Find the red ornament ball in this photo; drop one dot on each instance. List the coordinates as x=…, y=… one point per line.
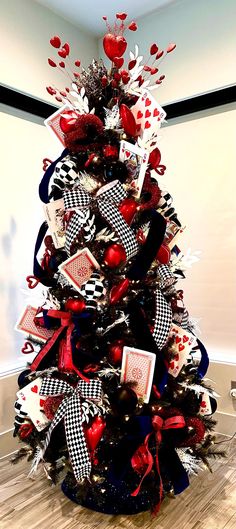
x=75, y=305
x=116, y=352
x=114, y=255
x=128, y=209
x=67, y=121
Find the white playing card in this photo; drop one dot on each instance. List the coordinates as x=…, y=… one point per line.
x=32, y=403
x=136, y=160
x=79, y=267
x=148, y=115
x=183, y=343
x=205, y=408
x=138, y=366
x=53, y=122
x=54, y=213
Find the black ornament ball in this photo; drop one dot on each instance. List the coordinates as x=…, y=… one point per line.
x=57, y=258
x=123, y=400
x=115, y=170
x=23, y=380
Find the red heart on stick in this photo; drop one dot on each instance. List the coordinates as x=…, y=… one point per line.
x=27, y=348
x=114, y=45
x=118, y=62
x=55, y=41
x=32, y=281
x=62, y=53
x=121, y=16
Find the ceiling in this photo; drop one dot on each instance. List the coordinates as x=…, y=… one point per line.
x=88, y=14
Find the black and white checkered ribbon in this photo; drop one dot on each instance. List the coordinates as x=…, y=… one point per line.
x=163, y=320
x=70, y=411
x=107, y=199
x=167, y=277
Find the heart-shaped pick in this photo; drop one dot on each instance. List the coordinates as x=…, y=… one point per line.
x=121, y=16
x=55, y=41
x=118, y=291
x=118, y=62
x=94, y=432
x=66, y=47
x=62, y=53
x=114, y=45
x=32, y=281
x=27, y=348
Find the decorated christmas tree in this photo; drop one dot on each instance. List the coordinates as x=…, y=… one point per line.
x=114, y=404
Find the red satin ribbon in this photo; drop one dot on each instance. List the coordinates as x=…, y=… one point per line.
x=143, y=451
x=65, y=360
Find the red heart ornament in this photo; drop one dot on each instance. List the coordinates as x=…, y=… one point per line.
x=62, y=64
x=66, y=47
x=93, y=433
x=128, y=208
x=154, y=158
x=118, y=291
x=181, y=347
x=114, y=45
x=133, y=26
x=147, y=102
x=127, y=120
x=32, y=281
x=121, y=16
x=55, y=41
x=153, y=49
x=147, y=125
x=62, y=53
x=27, y=348
x=147, y=113
x=34, y=389
x=118, y=62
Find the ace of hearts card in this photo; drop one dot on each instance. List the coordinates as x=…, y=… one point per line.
x=138, y=366
x=53, y=123
x=148, y=115
x=136, y=161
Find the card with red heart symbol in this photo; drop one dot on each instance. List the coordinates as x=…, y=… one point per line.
x=32, y=403
x=26, y=324
x=138, y=366
x=136, y=160
x=205, y=407
x=79, y=267
x=148, y=115
x=53, y=123
x=183, y=343
x=54, y=213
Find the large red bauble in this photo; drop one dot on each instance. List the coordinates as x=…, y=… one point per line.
x=114, y=45
x=118, y=291
x=75, y=305
x=114, y=255
x=128, y=209
x=93, y=433
x=116, y=352
x=67, y=121
x=127, y=120
x=163, y=254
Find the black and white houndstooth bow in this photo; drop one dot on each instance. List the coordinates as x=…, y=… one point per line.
x=107, y=199
x=163, y=320
x=70, y=411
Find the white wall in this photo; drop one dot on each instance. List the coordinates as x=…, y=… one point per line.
x=204, y=59
x=26, y=28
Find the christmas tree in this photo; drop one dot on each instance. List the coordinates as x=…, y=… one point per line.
x=114, y=396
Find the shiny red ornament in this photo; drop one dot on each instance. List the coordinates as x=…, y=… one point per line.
x=116, y=352
x=75, y=305
x=153, y=49
x=114, y=45
x=67, y=121
x=114, y=255
x=118, y=291
x=128, y=209
x=163, y=254
x=66, y=47
x=55, y=41
x=121, y=16
x=77, y=63
x=93, y=433
x=127, y=120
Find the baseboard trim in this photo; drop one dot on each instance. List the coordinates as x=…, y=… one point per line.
x=8, y=443
x=226, y=423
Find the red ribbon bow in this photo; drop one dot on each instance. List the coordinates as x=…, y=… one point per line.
x=65, y=362
x=142, y=460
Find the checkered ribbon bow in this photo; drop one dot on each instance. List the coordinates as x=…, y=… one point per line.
x=70, y=411
x=107, y=199
x=163, y=320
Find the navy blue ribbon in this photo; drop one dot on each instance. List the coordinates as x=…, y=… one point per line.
x=204, y=362
x=43, y=186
